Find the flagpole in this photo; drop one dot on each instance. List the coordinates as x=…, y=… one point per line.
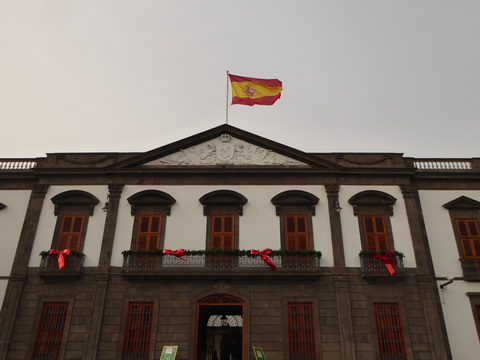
x=226, y=115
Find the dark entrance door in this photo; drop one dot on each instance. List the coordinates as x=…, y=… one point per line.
x=219, y=328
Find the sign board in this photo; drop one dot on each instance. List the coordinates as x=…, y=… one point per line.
x=259, y=354
x=169, y=352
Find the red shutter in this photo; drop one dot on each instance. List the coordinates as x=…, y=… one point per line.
x=138, y=331
x=390, y=337
x=469, y=237
x=50, y=331
x=375, y=233
x=148, y=234
x=71, y=232
x=301, y=335
x=296, y=232
x=223, y=232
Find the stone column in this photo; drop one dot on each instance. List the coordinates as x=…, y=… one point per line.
x=18, y=275
x=340, y=277
x=101, y=276
x=426, y=275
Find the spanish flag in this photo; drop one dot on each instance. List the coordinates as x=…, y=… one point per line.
x=251, y=91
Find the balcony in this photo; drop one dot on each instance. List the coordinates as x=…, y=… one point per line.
x=221, y=264
x=471, y=268
x=72, y=269
x=378, y=265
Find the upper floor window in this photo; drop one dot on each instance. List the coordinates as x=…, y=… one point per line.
x=150, y=208
x=374, y=209
x=223, y=209
x=73, y=209
x=295, y=209
x=465, y=216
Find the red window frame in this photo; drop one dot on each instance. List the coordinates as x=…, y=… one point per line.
x=138, y=331
x=148, y=232
x=301, y=333
x=50, y=331
x=390, y=335
x=222, y=235
x=375, y=233
x=296, y=232
x=70, y=234
x=469, y=235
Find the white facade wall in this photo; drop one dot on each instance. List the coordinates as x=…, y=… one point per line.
x=11, y=222
x=259, y=226
x=456, y=305
x=351, y=232
x=46, y=226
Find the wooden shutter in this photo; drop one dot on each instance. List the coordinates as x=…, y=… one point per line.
x=301, y=335
x=223, y=232
x=469, y=237
x=71, y=232
x=390, y=337
x=375, y=233
x=138, y=331
x=50, y=331
x=148, y=233
x=296, y=232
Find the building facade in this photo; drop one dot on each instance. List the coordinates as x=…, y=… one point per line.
x=226, y=240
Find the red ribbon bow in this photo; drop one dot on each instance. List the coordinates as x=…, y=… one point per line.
x=178, y=253
x=387, y=259
x=60, y=254
x=264, y=257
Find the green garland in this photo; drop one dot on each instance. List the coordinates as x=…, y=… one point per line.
x=236, y=252
x=382, y=252
x=72, y=252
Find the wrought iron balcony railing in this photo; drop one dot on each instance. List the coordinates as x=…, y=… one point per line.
x=73, y=265
x=374, y=267
x=207, y=264
x=471, y=268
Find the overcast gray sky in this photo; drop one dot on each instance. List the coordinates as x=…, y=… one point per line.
x=132, y=75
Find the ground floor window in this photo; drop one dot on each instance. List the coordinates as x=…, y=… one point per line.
x=390, y=337
x=301, y=335
x=138, y=331
x=50, y=331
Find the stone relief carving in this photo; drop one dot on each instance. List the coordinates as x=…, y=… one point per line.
x=225, y=150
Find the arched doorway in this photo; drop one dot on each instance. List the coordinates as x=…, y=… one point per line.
x=219, y=328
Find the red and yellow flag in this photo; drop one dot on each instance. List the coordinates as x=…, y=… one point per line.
x=251, y=91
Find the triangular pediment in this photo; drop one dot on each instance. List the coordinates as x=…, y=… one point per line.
x=225, y=145
x=463, y=202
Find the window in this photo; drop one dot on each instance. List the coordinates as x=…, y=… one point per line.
x=138, y=331
x=223, y=232
x=223, y=209
x=73, y=209
x=301, y=335
x=390, y=337
x=375, y=233
x=469, y=237
x=295, y=209
x=374, y=209
x=296, y=232
x=465, y=216
x=150, y=208
x=50, y=331
x=71, y=232
x=475, y=303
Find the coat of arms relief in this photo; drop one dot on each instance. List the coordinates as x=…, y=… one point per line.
x=225, y=150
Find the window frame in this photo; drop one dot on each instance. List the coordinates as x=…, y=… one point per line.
x=474, y=298
x=296, y=203
x=373, y=203
x=150, y=203
x=223, y=203
x=401, y=330
x=312, y=353
x=72, y=203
